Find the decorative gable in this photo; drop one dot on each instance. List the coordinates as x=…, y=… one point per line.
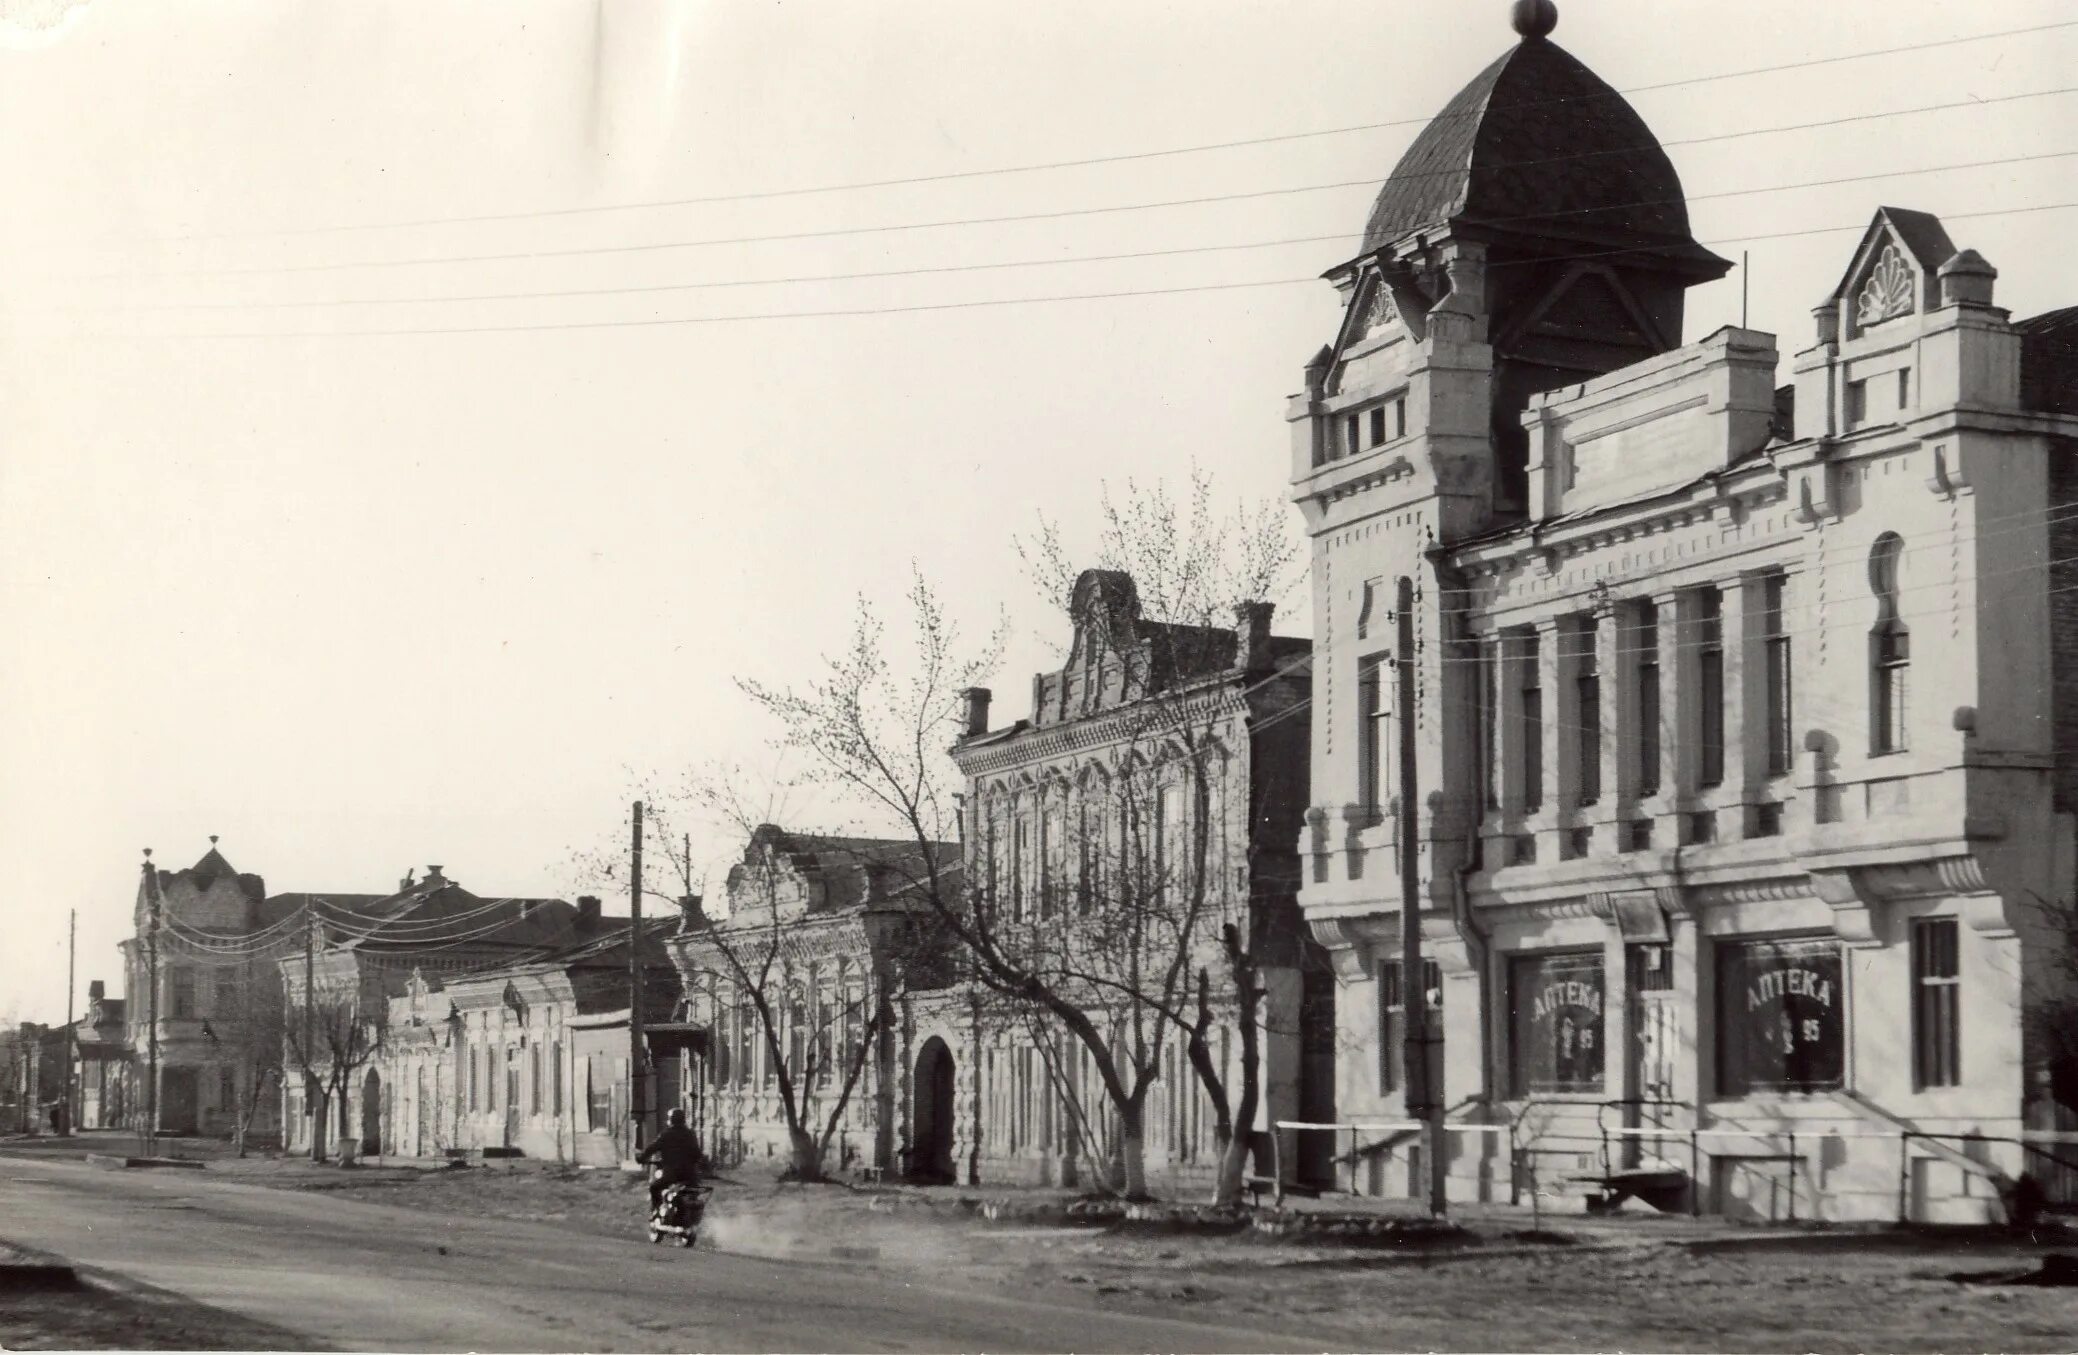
x=1894, y=272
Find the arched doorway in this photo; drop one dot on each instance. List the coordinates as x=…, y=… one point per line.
x=931, y=1117
x=371, y=1114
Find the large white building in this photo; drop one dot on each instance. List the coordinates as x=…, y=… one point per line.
x=1745, y=713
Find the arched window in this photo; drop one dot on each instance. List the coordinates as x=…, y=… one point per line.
x=1890, y=651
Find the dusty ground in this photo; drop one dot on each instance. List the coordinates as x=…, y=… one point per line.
x=99, y=1316
x=1648, y=1283
x=1632, y=1283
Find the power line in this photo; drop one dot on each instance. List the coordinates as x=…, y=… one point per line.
x=651, y=288
x=660, y=321
x=1122, y=158
x=1053, y=215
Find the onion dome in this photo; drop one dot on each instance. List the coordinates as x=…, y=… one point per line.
x=1539, y=148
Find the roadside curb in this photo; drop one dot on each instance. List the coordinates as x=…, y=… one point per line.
x=22, y=1268
x=108, y=1162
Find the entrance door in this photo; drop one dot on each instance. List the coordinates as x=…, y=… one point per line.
x=179, y=1097
x=512, y=1094
x=1655, y=1039
x=371, y=1114
x=931, y=1118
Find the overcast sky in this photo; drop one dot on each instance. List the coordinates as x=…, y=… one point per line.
x=360, y=602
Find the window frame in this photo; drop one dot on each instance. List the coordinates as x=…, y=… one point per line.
x=1936, y=951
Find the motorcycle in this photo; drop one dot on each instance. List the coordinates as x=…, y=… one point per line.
x=678, y=1213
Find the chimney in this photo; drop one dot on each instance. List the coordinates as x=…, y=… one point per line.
x=587, y=912
x=404, y=885
x=691, y=917
x=434, y=877
x=977, y=710
x=877, y=873
x=1252, y=634
x=1966, y=280
x=96, y=991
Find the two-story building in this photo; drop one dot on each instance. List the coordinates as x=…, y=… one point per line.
x=832, y=933
x=1152, y=796
x=1745, y=717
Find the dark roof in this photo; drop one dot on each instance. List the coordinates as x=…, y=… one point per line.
x=1537, y=144
x=1922, y=233
x=208, y=870
x=2049, y=361
x=842, y=861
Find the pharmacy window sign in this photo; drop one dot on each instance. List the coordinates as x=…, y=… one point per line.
x=1556, y=1004
x=1781, y=1016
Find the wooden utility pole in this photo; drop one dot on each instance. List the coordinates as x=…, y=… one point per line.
x=638, y=1085
x=1422, y=1102
x=71, y=1029
x=312, y=1109
x=150, y=1134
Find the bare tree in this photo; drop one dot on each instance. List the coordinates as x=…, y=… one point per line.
x=329, y=1043
x=818, y=1035
x=1115, y=960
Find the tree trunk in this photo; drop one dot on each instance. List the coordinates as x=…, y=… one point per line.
x=1132, y=1133
x=1248, y=992
x=808, y=1155
x=320, y=1112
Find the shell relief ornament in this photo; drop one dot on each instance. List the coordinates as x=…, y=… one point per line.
x=1887, y=292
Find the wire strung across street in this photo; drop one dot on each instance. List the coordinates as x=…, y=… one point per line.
x=941, y=269
x=576, y=251
x=1121, y=158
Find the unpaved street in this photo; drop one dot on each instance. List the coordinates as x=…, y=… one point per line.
x=374, y=1277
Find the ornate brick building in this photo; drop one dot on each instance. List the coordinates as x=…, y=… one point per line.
x=1745, y=717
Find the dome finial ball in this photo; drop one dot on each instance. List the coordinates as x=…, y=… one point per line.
x=1534, y=18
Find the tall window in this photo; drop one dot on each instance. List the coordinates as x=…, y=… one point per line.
x=1377, y=425
x=1531, y=707
x=1890, y=651
x=1775, y=647
x=182, y=981
x=1392, y=1018
x=1936, y=1018
x=1052, y=856
x=1483, y=696
x=1587, y=709
x=1374, y=733
x=1400, y=417
x=1020, y=859
x=1646, y=671
x=1710, y=676
x=1369, y=613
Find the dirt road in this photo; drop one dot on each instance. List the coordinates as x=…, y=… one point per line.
x=330, y=1272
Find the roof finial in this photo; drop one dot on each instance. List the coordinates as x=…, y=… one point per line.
x=1534, y=18
x=212, y=839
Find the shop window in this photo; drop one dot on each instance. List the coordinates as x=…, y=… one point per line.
x=1555, y=1022
x=1936, y=1015
x=1781, y=1016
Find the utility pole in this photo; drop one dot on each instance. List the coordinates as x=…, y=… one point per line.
x=312, y=1110
x=637, y=1083
x=150, y=1136
x=71, y=1028
x=1422, y=1102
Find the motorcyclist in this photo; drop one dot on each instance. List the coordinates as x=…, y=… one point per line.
x=676, y=1153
